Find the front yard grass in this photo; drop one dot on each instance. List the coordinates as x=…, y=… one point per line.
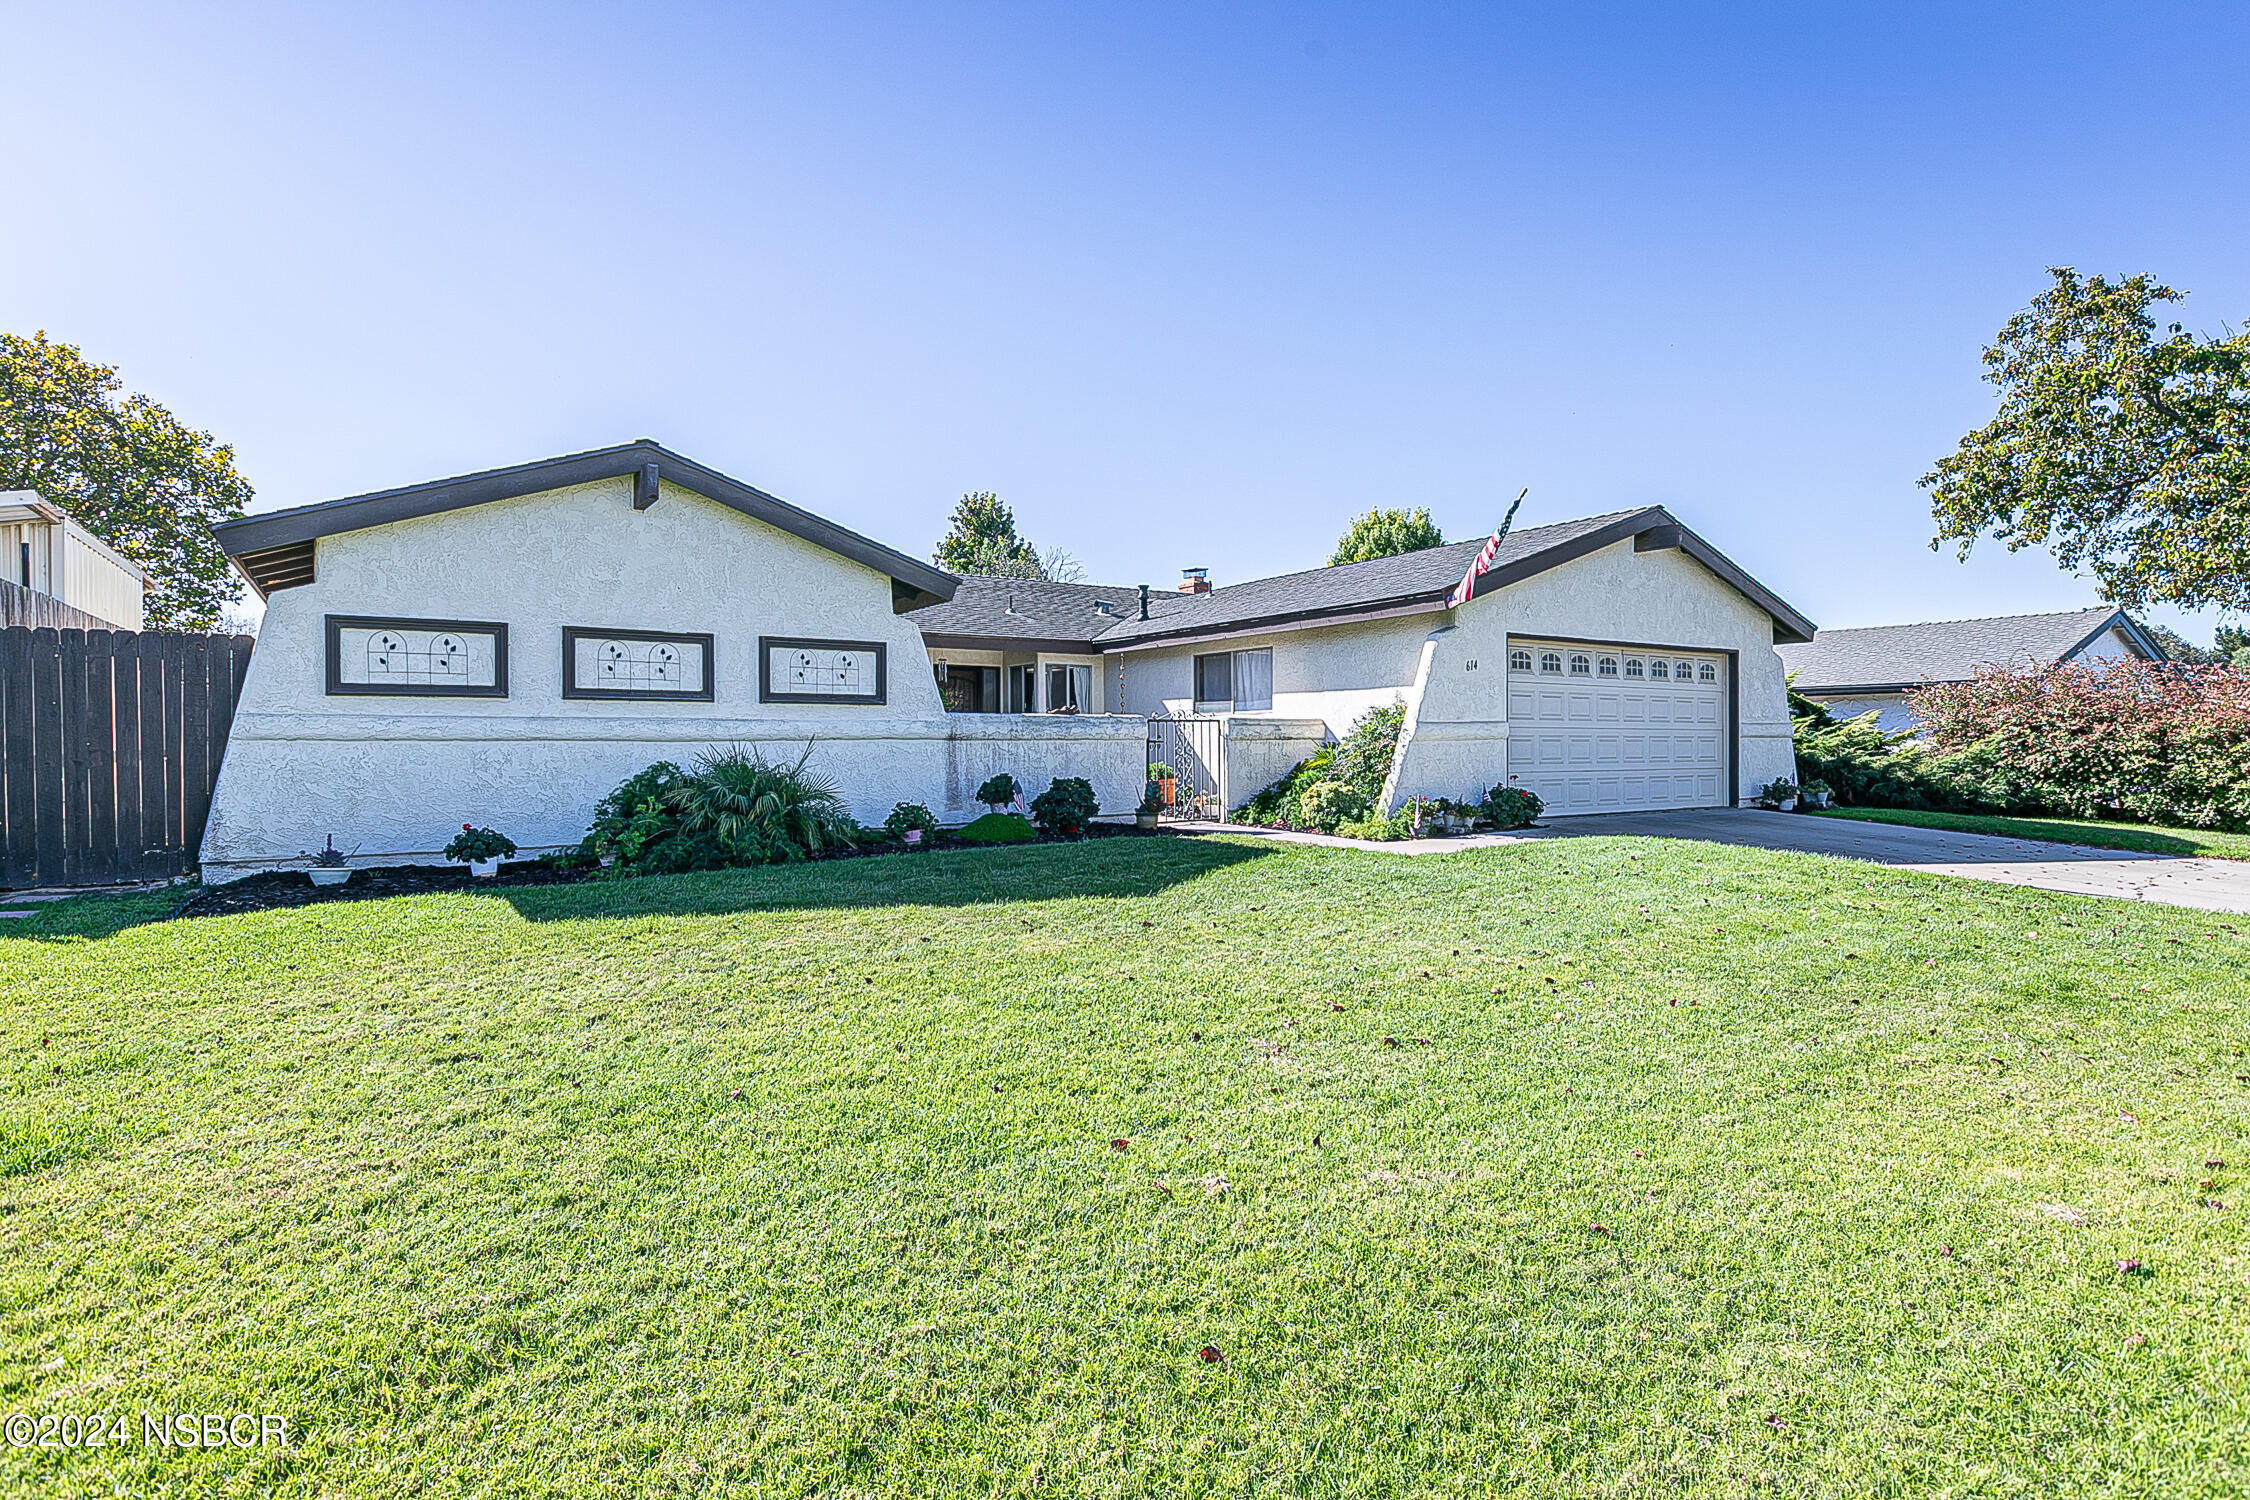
x=1587, y=1167
x=2201, y=842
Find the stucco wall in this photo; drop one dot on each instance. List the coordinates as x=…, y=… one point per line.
x=393, y=777
x=1458, y=721
x=1333, y=674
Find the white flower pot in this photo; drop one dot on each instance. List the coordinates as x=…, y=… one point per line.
x=329, y=874
x=485, y=869
x=913, y=836
x=1788, y=804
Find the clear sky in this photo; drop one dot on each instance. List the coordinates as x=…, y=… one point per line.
x=1185, y=284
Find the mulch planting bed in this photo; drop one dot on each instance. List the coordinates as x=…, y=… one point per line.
x=295, y=888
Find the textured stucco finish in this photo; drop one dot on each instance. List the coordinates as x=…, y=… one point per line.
x=393, y=777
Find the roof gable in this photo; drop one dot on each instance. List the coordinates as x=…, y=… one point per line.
x=1893, y=657
x=1423, y=579
x=274, y=550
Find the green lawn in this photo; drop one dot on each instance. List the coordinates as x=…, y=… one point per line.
x=802, y=1182
x=2191, y=841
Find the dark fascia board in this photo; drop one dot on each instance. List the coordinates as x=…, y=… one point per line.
x=1656, y=523
x=1854, y=689
x=1024, y=644
x=2119, y=620
x=356, y=512
x=1789, y=627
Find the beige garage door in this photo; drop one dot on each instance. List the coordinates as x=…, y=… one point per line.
x=1615, y=728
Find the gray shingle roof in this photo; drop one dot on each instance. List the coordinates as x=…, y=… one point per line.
x=1317, y=594
x=1027, y=610
x=1894, y=656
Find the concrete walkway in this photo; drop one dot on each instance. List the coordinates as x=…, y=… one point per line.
x=2123, y=874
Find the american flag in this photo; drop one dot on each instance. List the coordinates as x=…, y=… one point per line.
x=1485, y=555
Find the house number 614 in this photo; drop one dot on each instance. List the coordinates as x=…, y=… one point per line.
x=1472, y=666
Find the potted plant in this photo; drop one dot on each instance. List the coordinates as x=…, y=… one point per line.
x=328, y=865
x=1779, y=795
x=1167, y=783
x=998, y=792
x=910, y=821
x=1506, y=807
x=1815, y=792
x=481, y=849
x=1145, y=815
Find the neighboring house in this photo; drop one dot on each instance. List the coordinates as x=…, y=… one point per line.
x=1607, y=664
x=56, y=573
x=1855, y=672
x=505, y=647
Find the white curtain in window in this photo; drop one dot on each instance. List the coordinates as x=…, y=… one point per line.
x=1071, y=688
x=1253, y=679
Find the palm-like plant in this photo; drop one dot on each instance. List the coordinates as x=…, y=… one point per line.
x=761, y=809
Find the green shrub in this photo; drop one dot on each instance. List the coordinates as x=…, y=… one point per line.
x=1361, y=760
x=910, y=815
x=1325, y=804
x=1381, y=830
x=1508, y=806
x=1067, y=806
x=997, y=791
x=735, y=808
x=998, y=828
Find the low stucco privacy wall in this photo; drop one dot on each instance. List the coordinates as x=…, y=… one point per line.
x=394, y=777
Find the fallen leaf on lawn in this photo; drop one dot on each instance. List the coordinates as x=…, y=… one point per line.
x=1118, y=1144
x=1209, y=1354
x=734, y=1093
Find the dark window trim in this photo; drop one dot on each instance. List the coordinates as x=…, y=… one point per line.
x=334, y=625
x=573, y=634
x=767, y=644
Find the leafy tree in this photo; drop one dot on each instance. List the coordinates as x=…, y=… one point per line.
x=2124, y=450
x=1387, y=533
x=2179, y=648
x=128, y=470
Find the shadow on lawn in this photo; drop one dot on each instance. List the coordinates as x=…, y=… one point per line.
x=963, y=877
x=958, y=877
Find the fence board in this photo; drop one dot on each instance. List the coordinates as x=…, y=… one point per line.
x=125, y=663
x=99, y=735
x=110, y=744
x=19, y=852
x=154, y=836
x=46, y=752
x=70, y=655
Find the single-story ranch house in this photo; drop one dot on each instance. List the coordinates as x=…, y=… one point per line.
x=1855, y=672
x=505, y=647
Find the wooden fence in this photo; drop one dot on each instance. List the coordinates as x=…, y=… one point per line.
x=109, y=746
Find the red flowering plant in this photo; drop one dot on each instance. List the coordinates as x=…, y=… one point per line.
x=2162, y=741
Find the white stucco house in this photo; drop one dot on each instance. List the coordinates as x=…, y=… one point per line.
x=1870, y=670
x=503, y=648
x=1614, y=663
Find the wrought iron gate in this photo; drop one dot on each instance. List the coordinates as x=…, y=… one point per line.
x=1195, y=747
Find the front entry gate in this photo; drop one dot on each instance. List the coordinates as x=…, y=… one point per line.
x=1194, y=746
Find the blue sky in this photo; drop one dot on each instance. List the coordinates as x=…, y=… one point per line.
x=1185, y=284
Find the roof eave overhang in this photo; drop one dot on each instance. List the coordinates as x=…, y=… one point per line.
x=1278, y=624
x=357, y=512
x=938, y=640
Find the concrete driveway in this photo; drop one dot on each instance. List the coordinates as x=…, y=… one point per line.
x=2211, y=884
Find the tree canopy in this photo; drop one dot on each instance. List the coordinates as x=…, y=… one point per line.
x=1387, y=533
x=2124, y=449
x=126, y=469
x=982, y=542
